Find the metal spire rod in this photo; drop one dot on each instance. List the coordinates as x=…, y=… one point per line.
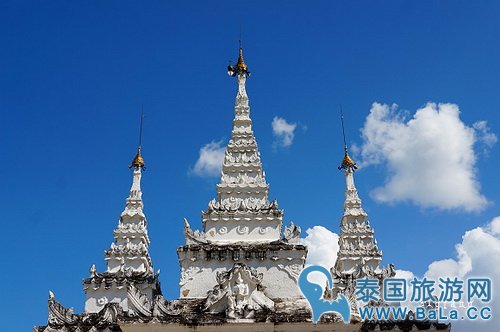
x=138, y=161
x=343, y=130
x=142, y=120
x=241, y=40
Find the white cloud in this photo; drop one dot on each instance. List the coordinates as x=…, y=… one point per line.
x=478, y=255
x=483, y=134
x=322, y=247
x=283, y=131
x=430, y=157
x=494, y=226
x=210, y=161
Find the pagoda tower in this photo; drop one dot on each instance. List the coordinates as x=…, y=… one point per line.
x=129, y=267
x=357, y=244
x=358, y=256
x=243, y=261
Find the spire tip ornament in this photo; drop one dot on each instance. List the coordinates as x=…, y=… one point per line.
x=138, y=161
x=348, y=163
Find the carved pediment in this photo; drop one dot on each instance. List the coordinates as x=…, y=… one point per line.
x=139, y=304
x=193, y=237
x=59, y=315
x=61, y=318
x=163, y=308
x=146, y=309
x=238, y=293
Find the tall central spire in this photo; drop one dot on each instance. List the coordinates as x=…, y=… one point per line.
x=242, y=232
x=242, y=211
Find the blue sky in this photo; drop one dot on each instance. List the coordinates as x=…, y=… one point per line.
x=73, y=76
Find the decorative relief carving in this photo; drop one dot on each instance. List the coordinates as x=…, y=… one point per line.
x=239, y=158
x=239, y=294
x=163, y=308
x=102, y=300
x=242, y=179
x=233, y=204
x=242, y=230
x=264, y=230
x=139, y=304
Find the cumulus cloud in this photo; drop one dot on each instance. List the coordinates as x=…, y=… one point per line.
x=322, y=245
x=210, y=161
x=430, y=157
x=283, y=131
x=477, y=256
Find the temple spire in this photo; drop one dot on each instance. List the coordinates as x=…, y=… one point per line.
x=242, y=204
x=358, y=248
x=127, y=259
x=242, y=228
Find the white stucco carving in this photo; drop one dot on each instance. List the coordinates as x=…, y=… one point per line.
x=239, y=292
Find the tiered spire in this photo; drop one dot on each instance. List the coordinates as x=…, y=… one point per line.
x=129, y=251
x=242, y=193
x=242, y=231
x=358, y=247
x=127, y=260
x=358, y=255
x=242, y=183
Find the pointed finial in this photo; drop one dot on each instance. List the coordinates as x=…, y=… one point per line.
x=347, y=162
x=138, y=161
x=240, y=67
